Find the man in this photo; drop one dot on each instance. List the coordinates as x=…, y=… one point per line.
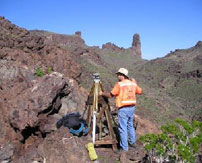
x=125, y=92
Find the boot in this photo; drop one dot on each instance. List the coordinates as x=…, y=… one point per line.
x=133, y=145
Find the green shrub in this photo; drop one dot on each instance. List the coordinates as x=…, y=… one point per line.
x=39, y=72
x=178, y=142
x=49, y=70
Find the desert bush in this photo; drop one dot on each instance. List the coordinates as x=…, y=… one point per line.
x=178, y=142
x=49, y=70
x=39, y=72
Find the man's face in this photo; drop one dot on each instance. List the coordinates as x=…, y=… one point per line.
x=119, y=76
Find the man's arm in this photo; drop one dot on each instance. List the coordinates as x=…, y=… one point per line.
x=114, y=92
x=138, y=90
x=108, y=95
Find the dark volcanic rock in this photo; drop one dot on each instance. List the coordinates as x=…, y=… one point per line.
x=59, y=147
x=135, y=49
x=13, y=37
x=33, y=110
x=198, y=44
x=30, y=106
x=43, y=97
x=19, y=48
x=67, y=40
x=136, y=45
x=111, y=46
x=60, y=39
x=6, y=151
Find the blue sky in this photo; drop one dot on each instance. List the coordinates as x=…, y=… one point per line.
x=163, y=25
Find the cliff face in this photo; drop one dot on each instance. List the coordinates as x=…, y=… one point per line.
x=60, y=39
x=134, y=50
x=111, y=46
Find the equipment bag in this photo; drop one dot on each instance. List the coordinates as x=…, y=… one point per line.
x=74, y=123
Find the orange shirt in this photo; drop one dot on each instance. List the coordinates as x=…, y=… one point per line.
x=125, y=92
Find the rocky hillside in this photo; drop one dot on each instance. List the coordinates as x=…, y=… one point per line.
x=38, y=86
x=45, y=75
x=174, y=84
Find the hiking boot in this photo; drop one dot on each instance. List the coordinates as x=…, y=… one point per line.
x=123, y=157
x=133, y=145
x=118, y=151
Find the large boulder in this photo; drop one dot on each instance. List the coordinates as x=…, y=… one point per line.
x=30, y=111
x=58, y=147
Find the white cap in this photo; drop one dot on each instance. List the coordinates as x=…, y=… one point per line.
x=123, y=71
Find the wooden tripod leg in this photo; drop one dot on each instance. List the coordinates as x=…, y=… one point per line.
x=109, y=122
x=90, y=107
x=111, y=131
x=114, y=147
x=100, y=130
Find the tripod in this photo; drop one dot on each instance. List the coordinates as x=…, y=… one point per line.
x=99, y=118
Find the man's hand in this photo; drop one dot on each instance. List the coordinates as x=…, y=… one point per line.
x=108, y=95
x=100, y=93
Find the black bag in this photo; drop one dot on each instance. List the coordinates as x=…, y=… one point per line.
x=71, y=120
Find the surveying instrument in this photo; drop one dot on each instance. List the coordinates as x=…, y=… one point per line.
x=99, y=118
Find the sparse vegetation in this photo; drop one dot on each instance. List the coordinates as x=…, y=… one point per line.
x=178, y=142
x=39, y=72
x=49, y=70
x=168, y=92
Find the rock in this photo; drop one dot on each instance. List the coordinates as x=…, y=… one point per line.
x=32, y=111
x=111, y=46
x=19, y=47
x=63, y=147
x=60, y=39
x=6, y=152
x=78, y=33
x=198, y=44
x=58, y=147
x=144, y=126
x=136, y=45
x=30, y=104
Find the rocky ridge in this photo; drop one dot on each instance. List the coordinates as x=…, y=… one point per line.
x=60, y=39
x=135, y=48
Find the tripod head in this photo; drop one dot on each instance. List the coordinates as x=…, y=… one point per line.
x=96, y=77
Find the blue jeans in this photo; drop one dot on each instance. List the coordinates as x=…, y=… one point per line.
x=126, y=129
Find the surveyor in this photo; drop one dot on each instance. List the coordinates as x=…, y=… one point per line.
x=125, y=92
